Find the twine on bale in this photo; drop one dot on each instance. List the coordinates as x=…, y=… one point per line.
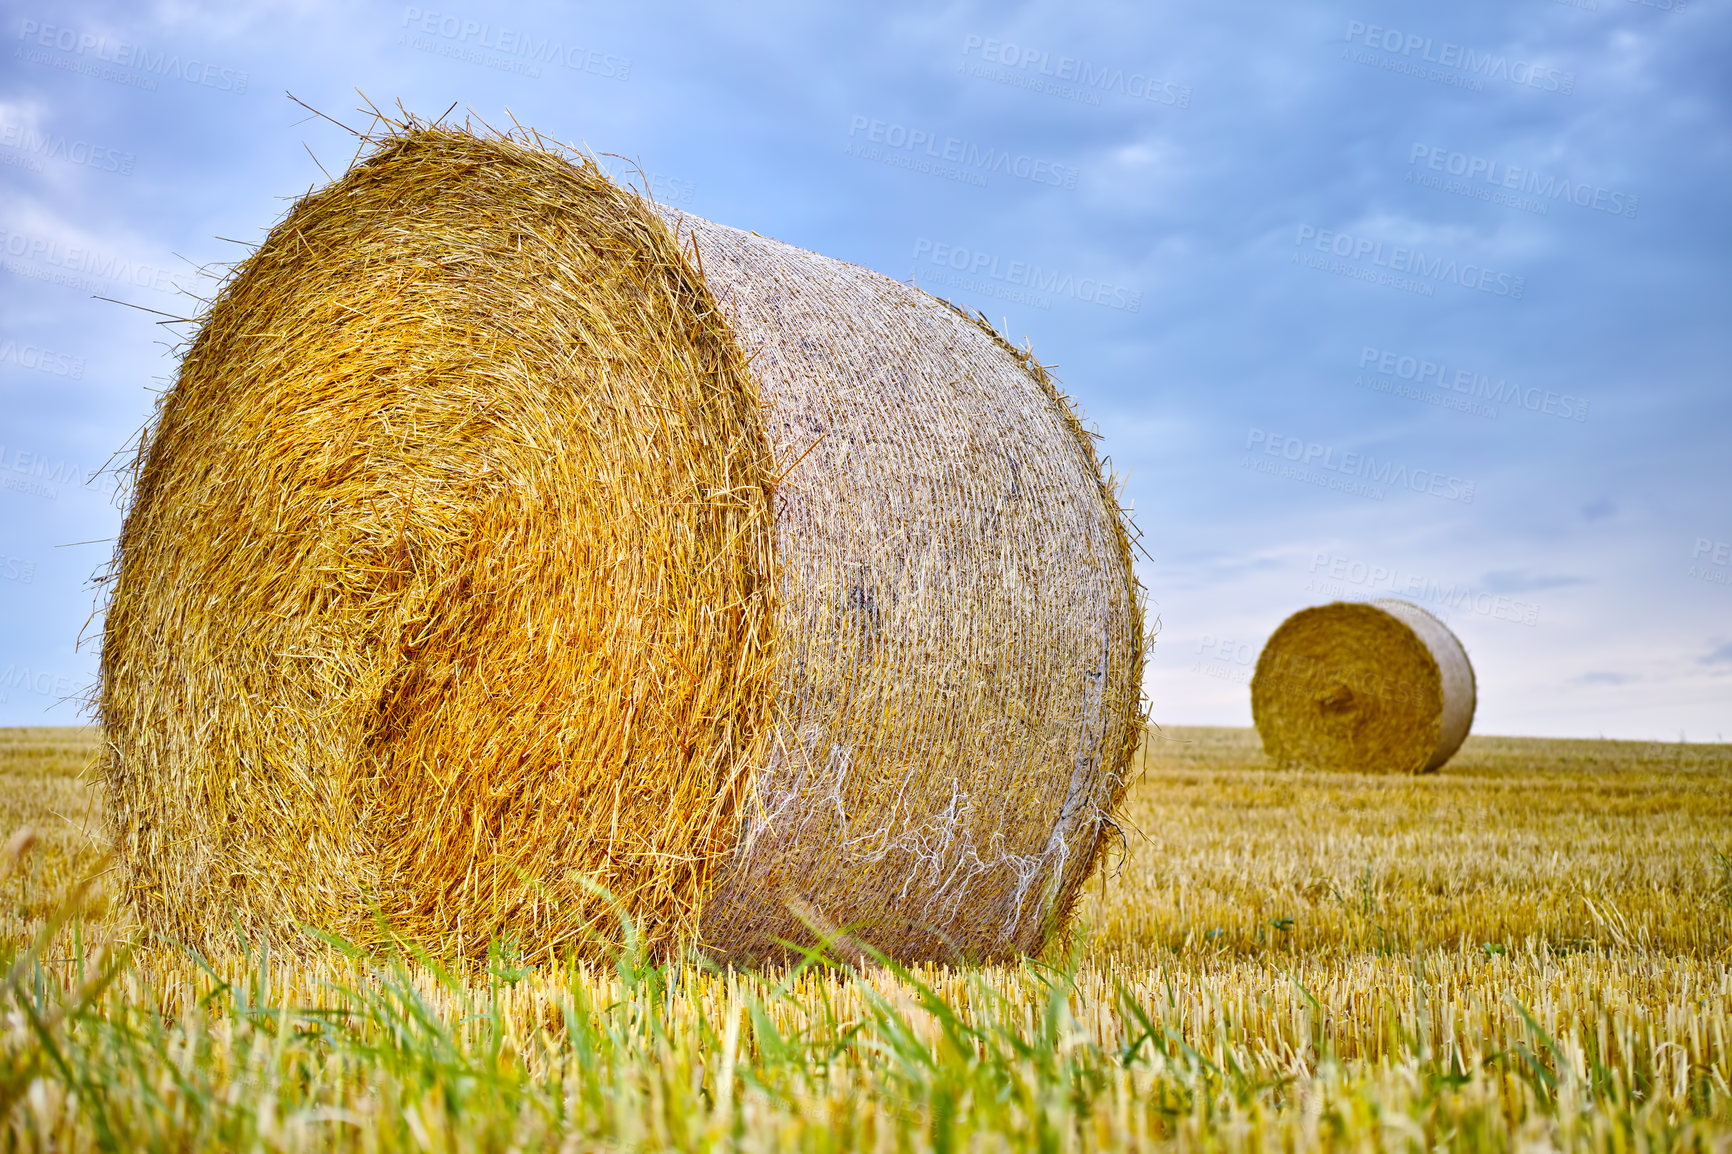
x=503, y=546
x=1379, y=687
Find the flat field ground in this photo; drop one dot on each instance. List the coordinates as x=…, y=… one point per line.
x=1530, y=949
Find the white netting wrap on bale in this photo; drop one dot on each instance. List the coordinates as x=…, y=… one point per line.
x=960, y=633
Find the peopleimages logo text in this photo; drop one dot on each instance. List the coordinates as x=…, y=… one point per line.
x=950, y=150
x=1499, y=176
x=1711, y=561
x=1412, y=262
x=38, y=681
x=1717, y=552
x=1331, y=574
x=479, y=34
x=1226, y=658
x=1359, y=469
x=49, y=146
x=1486, y=65
x=136, y=56
x=28, y=356
x=22, y=471
x=1469, y=383
x=1022, y=274
x=1084, y=76
x=79, y=264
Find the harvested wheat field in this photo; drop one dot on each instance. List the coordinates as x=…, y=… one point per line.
x=1532, y=950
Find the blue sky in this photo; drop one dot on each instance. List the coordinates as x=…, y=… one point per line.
x=1371, y=298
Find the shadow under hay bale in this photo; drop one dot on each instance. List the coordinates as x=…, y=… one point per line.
x=1363, y=687
x=502, y=545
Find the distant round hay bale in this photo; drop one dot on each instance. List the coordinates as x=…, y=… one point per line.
x=502, y=546
x=1364, y=687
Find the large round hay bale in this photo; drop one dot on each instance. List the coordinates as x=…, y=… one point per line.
x=1363, y=687
x=502, y=546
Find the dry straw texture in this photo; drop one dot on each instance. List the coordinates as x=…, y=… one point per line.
x=1383, y=687
x=473, y=576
